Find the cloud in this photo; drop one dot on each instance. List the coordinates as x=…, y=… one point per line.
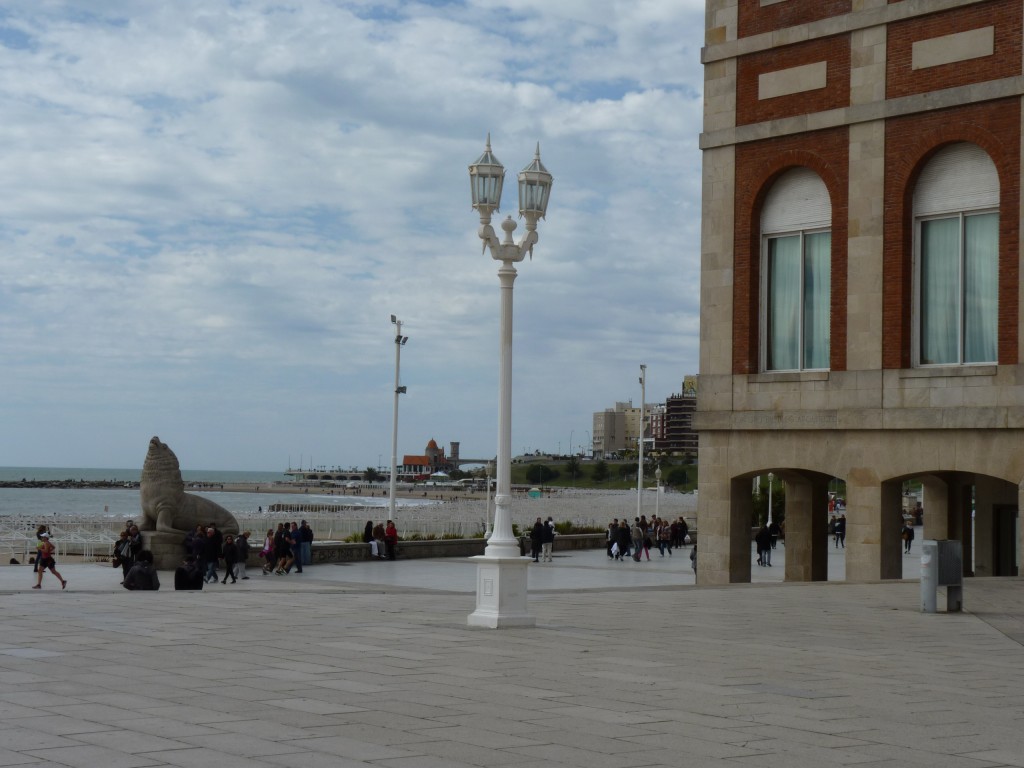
x=212, y=208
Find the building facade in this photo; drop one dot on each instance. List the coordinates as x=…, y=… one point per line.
x=679, y=438
x=615, y=429
x=860, y=277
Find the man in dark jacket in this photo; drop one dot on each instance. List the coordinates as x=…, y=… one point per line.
x=188, y=575
x=142, y=574
x=211, y=554
x=536, y=539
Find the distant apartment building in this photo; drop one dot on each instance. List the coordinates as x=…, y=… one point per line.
x=668, y=426
x=615, y=429
x=677, y=436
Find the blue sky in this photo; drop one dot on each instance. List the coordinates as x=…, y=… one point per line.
x=211, y=209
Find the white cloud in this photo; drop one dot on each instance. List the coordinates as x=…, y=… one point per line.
x=213, y=207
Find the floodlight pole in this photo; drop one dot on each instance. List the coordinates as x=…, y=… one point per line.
x=399, y=343
x=640, y=453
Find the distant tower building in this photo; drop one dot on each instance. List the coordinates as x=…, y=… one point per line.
x=453, y=455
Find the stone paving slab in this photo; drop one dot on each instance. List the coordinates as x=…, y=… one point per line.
x=375, y=665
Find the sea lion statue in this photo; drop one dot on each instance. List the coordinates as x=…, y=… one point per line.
x=166, y=508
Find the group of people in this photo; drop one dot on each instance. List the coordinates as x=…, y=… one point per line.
x=542, y=539
x=290, y=546
x=207, y=545
x=382, y=538
x=637, y=540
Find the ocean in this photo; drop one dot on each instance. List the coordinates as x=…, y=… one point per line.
x=120, y=503
x=14, y=474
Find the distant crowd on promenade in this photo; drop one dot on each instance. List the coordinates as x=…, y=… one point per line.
x=625, y=541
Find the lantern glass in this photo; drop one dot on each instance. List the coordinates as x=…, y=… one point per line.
x=534, y=188
x=486, y=177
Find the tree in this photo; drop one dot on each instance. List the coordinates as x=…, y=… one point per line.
x=572, y=467
x=540, y=473
x=677, y=477
x=601, y=471
x=759, y=512
x=371, y=475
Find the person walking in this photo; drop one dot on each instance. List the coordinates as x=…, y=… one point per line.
x=625, y=541
x=295, y=541
x=268, y=553
x=242, y=545
x=283, y=549
x=841, y=532
x=663, y=530
x=613, y=535
x=693, y=559
x=229, y=551
x=536, y=540
x=47, y=562
x=211, y=554
x=547, y=540
x=763, y=539
x=306, y=543
x=907, y=534
x=639, y=536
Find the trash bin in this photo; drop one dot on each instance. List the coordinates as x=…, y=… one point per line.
x=941, y=566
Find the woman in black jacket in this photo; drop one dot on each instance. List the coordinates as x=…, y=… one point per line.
x=230, y=555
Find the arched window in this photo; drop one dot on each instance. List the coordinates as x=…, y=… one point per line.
x=796, y=283
x=956, y=239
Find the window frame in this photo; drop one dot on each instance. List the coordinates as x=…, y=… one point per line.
x=764, y=299
x=917, y=297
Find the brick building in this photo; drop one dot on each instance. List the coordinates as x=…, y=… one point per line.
x=860, y=277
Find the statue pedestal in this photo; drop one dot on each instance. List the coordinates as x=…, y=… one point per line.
x=167, y=548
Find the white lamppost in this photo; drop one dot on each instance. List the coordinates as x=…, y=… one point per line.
x=501, y=573
x=770, y=478
x=488, y=471
x=399, y=390
x=657, y=493
x=640, y=453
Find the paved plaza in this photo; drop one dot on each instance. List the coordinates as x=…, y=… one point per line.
x=373, y=664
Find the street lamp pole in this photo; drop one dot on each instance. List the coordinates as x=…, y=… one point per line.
x=640, y=467
x=501, y=578
x=657, y=493
x=488, y=471
x=399, y=390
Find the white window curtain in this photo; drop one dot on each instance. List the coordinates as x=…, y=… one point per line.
x=981, y=284
x=957, y=297
x=817, y=299
x=784, y=303
x=797, y=273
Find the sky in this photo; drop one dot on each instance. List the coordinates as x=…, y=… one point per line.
x=211, y=209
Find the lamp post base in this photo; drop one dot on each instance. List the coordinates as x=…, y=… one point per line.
x=501, y=593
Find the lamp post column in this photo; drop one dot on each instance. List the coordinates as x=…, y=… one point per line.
x=399, y=343
x=640, y=454
x=502, y=540
x=501, y=571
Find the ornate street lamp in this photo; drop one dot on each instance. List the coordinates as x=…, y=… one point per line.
x=501, y=572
